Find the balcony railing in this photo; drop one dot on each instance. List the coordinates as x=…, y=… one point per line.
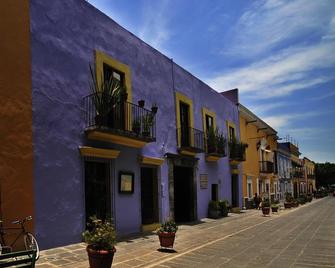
x=266, y=167
x=297, y=172
x=103, y=112
x=216, y=146
x=237, y=151
x=191, y=139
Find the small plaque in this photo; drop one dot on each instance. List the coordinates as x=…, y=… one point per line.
x=203, y=181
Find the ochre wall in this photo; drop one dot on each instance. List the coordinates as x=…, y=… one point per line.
x=251, y=165
x=16, y=157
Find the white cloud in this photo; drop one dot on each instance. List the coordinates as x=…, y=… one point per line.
x=283, y=73
x=268, y=23
x=282, y=122
x=154, y=28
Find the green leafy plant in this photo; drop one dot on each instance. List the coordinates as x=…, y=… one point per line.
x=136, y=125
x=275, y=205
x=147, y=122
x=288, y=197
x=106, y=93
x=213, y=205
x=100, y=234
x=168, y=226
x=266, y=203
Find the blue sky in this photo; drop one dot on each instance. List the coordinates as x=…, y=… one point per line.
x=280, y=54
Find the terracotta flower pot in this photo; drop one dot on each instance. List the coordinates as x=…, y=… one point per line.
x=274, y=209
x=166, y=239
x=100, y=258
x=266, y=210
x=287, y=205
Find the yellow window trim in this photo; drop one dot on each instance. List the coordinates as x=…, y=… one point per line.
x=182, y=98
x=230, y=124
x=98, y=152
x=101, y=58
x=205, y=112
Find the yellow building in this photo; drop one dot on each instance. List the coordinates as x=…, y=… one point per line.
x=259, y=169
x=309, y=172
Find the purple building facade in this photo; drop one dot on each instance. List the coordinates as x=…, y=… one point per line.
x=138, y=181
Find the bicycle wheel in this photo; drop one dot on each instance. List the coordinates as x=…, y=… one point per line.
x=30, y=243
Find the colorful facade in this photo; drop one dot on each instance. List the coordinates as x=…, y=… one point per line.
x=309, y=173
x=259, y=169
x=284, y=170
x=73, y=162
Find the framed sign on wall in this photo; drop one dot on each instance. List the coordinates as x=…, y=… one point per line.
x=126, y=182
x=203, y=181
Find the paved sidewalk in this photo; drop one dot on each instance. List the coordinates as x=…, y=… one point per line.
x=143, y=251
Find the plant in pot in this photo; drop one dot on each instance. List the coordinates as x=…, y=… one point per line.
x=136, y=126
x=147, y=122
x=274, y=207
x=214, y=209
x=211, y=141
x=141, y=103
x=266, y=206
x=223, y=208
x=105, y=95
x=167, y=233
x=154, y=108
x=221, y=143
x=100, y=237
x=288, y=200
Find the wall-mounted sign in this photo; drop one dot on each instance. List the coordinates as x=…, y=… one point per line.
x=203, y=181
x=126, y=182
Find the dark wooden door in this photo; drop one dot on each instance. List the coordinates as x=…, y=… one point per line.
x=149, y=195
x=183, y=194
x=97, y=190
x=234, y=190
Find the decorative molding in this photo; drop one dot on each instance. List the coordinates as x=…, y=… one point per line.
x=98, y=152
x=145, y=160
x=109, y=137
x=212, y=158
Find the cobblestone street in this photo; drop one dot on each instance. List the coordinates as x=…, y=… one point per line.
x=300, y=237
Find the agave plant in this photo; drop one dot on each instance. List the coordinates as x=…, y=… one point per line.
x=106, y=93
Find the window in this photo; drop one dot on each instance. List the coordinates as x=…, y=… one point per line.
x=231, y=133
x=107, y=66
x=209, y=122
x=249, y=187
x=111, y=72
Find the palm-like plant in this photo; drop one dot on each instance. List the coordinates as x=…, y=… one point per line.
x=106, y=93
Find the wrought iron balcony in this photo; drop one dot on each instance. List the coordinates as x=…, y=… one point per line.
x=191, y=139
x=266, y=167
x=311, y=176
x=237, y=151
x=104, y=114
x=297, y=172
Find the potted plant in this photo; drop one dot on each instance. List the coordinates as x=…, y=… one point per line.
x=154, y=108
x=167, y=233
x=274, y=207
x=223, y=208
x=266, y=207
x=105, y=95
x=211, y=141
x=136, y=126
x=147, y=122
x=221, y=143
x=213, y=209
x=288, y=200
x=141, y=103
x=100, y=237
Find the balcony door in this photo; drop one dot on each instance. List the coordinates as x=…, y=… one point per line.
x=116, y=117
x=184, y=124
